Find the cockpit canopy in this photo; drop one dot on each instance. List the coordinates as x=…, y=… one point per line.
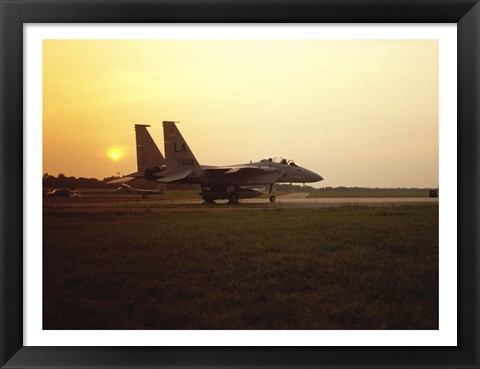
x=280, y=160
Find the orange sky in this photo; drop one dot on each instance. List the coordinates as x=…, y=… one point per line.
x=359, y=113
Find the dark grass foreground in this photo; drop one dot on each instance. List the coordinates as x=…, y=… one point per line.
x=241, y=268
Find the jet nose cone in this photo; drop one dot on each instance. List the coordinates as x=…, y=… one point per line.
x=317, y=178
x=313, y=177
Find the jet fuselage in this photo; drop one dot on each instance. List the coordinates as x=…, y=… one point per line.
x=215, y=176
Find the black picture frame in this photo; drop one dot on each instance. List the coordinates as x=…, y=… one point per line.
x=15, y=13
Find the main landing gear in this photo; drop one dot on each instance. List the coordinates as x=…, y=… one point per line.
x=233, y=193
x=233, y=198
x=230, y=193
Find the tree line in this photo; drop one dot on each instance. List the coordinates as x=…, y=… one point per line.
x=306, y=188
x=62, y=181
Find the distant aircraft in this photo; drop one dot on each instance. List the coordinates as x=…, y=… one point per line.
x=140, y=191
x=62, y=192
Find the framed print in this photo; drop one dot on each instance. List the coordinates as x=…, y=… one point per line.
x=83, y=279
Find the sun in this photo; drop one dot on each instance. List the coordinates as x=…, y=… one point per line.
x=114, y=154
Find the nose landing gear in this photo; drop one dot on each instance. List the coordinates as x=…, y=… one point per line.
x=272, y=196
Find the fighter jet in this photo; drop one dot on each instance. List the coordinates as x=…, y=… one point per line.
x=230, y=182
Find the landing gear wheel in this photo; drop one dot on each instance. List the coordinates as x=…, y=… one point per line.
x=272, y=198
x=233, y=198
x=209, y=201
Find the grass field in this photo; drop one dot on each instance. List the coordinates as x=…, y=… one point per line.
x=241, y=268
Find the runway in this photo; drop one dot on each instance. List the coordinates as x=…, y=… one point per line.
x=291, y=202
x=285, y=201
x=294, y=202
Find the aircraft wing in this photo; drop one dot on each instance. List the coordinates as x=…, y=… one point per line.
x=175, y=177
x=128, y=177
x=246, y=170
x=121, y=180
x=138, y=190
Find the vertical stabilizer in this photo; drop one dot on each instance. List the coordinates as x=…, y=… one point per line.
x=148, y=154
x=177, y=153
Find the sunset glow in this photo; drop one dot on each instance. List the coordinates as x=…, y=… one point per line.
x=114, y=154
